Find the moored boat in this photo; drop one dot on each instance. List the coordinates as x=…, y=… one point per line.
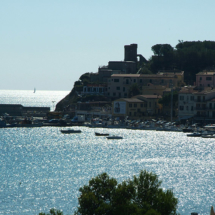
x=194, y=134
x=208, y=136
x=114, y=137
x=101, y=134
x=70, y=131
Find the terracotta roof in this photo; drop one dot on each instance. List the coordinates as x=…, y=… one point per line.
x=206, y=73
x=132, y=100
x=125, y=75
x=150, y=96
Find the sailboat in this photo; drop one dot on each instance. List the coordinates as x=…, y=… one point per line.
x=34, y=90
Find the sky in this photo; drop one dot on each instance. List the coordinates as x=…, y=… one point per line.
x=49, y=44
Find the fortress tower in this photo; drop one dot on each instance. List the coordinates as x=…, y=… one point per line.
x=131, y=52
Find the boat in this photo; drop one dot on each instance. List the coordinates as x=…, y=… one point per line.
x=114, y=137
x=101, y=134
x=208, y=136
x=70, y=131
x=194, y=134
x=187, y=130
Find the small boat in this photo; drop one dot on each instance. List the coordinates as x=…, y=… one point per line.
x=70, y=131
x=208, y=136
x=114, y=137
x=195, y=134
x=101, y=134
x=186, y=130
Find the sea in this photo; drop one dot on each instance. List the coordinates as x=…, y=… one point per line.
x=41, y=168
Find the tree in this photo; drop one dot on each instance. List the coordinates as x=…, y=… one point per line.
x=142, y=195
x=134, y=90
x=53, y=212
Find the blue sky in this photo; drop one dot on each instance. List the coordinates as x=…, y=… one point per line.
x=49, y=44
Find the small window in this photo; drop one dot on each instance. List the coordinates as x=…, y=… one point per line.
x=200, y=78
x=181, y=107
x=117, y=88
x=192, y=108
x=208, y=78
x=130, y=105
x=181, y=98
x=141, y=105
x=116, y=80
x=135, y=105
x=191, y=98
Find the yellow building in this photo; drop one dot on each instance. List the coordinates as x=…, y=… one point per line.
x=151, y=89
x=136, y=107
x=131, y=107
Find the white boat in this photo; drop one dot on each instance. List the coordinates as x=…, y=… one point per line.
x=208, y=136
x=70, y=131
x=114, y=137
x=194, y=134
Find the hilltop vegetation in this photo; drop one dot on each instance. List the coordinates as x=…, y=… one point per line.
x=189, y=56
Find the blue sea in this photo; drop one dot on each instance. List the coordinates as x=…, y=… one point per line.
x=41, y=168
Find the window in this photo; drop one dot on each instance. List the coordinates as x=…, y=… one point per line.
x=134, y=80
x=138, y=110
x=145, y=105
x=114, y=94
x=187, y=108
x=191, y=107
x=191, y=98
x=130, y=105
x=135, y=105
x=208, y=78
x=181, y=98
x=210, y=105
x=200, y=78
x=141, y=105
x=123, y=89
x=150, y=81
x=141, y=80
x=135, y=113
x=149, y=104
x=129, y=113
x=181, y=108
x=125, y=94
x=119, y=94
x=116, y=80
x=117, y=88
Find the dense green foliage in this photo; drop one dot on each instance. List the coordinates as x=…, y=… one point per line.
x=142, y=195
x=134, y=90
x=167, y=98
x=53, y=212
x=191, y=57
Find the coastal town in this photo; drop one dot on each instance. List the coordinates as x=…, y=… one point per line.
x=126, y=92
x=122, y=95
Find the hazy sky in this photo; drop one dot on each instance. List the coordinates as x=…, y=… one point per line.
x=49, y=44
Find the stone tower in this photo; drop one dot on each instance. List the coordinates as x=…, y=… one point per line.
x=131, y=52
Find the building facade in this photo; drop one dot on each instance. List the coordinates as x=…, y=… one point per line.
x=205, y=79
